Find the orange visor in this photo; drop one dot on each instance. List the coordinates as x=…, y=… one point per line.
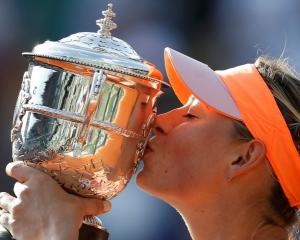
x=241, y=94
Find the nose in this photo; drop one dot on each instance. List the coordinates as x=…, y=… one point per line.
x=166, y=122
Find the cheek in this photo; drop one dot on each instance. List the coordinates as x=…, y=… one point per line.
x=194, y=157
x=184, y=154
x=188, y=158
x=163, y=168
x=191, y=144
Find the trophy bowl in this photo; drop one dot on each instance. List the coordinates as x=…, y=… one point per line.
x=85, y=110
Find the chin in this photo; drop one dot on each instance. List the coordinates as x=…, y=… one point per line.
x=140, y=178
x=144, y=181
x=148, y=183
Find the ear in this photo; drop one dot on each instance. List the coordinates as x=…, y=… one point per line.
x=249, y=156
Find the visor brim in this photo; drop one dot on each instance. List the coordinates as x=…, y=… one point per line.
x=188, y=77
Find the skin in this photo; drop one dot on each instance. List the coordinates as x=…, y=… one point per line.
x=61, y=213
x=194, y=162
x=198, y=165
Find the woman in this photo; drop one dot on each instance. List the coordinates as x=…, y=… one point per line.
x=227, y=160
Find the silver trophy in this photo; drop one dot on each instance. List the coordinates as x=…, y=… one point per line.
x=84, y=112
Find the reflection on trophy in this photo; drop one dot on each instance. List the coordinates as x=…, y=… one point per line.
x=85, y=111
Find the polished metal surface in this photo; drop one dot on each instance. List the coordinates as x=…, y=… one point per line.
x=97, y=50
x=85, y=111
x=106, y=24
x=83, y=131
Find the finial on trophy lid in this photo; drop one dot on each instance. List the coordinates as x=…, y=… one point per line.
x=106, y=24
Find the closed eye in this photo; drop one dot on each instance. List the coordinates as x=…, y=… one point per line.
x=189, y=116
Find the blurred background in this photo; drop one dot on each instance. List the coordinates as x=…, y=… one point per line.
x=220, y=33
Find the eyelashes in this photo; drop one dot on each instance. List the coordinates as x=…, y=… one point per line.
x=189, y=116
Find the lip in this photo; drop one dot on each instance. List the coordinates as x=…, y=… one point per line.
x=151, y=137
x=149, y=148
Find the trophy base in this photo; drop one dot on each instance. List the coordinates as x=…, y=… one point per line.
x=5, y=234
x=92, y=229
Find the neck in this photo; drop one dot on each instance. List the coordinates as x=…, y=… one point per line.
x=229, y=221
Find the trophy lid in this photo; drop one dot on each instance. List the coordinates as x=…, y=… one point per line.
x=97, y=50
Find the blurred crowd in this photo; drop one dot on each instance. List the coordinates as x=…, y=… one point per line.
x=220, y=33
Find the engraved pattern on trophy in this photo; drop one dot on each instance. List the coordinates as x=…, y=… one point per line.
x=23, y=98
x=146, y=134
x=85, y=111
x=92, y=41
x=69, y=115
